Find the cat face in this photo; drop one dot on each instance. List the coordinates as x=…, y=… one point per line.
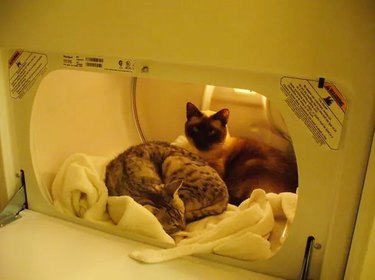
x=170, y=209
x=204, y=131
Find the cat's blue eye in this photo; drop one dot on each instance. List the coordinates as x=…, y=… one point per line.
x=211, y=132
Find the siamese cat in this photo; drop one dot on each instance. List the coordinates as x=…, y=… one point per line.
x=244, y=164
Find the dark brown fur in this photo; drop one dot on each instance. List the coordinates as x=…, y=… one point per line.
x=244, y=164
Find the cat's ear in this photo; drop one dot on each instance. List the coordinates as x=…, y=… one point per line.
x=222, y=116
x=150, y=208
x=173, y=187
x=192, y=111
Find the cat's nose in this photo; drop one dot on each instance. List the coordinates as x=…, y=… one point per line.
x=175, y=228
x=202, y=145
x=172, y=230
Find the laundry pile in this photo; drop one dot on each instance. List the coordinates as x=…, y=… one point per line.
x=254, y=230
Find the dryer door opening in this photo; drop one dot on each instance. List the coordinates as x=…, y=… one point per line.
x=82, y=120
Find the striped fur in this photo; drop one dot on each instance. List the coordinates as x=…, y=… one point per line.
x=174, y=184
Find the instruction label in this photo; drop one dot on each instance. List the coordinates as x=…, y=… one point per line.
x=320, y=105
x=98, y=63
x=24, y=69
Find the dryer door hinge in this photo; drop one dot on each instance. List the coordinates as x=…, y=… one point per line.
x=17, y=203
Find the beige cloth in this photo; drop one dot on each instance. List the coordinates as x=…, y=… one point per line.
x=252, y=231
x=79, y=190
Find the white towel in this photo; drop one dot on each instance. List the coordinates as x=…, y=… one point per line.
x=79, y=190
x=240, y=235
x=255, y=230
x=133, y=217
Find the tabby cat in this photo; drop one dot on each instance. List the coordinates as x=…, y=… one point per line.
x=174, y=184
x=244, y=164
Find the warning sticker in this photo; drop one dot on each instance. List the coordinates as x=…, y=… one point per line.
x=320, y=105
x=24, y=69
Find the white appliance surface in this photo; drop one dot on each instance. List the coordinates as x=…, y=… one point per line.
x=39, y=247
